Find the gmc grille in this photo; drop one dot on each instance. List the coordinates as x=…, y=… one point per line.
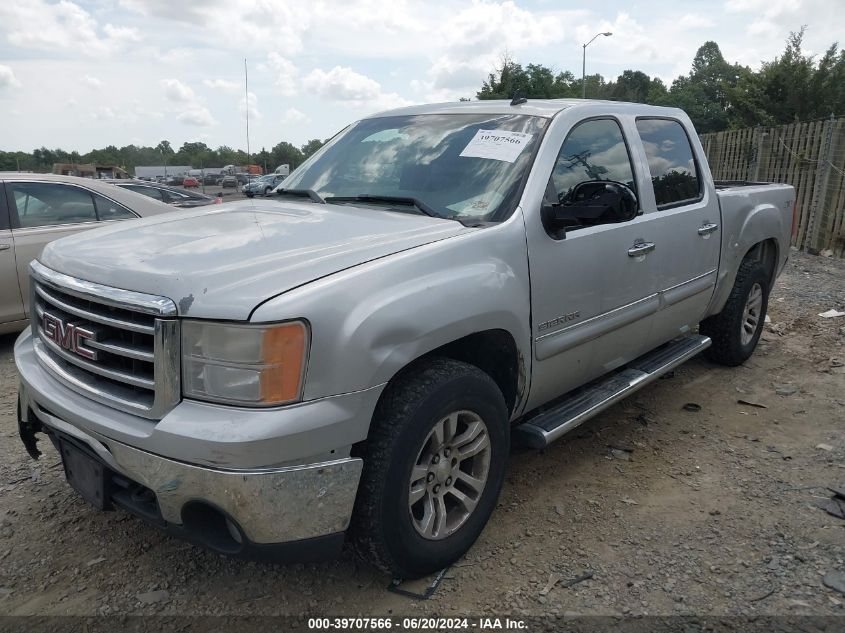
x=115, y=346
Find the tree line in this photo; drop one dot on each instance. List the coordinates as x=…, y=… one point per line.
x=716, y=94
x=195, y=154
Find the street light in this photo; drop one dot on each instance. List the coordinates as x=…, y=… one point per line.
x=584, y=64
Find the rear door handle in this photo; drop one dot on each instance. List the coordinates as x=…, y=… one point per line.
x=707, y=228
x=640, y=248
x=5, y=247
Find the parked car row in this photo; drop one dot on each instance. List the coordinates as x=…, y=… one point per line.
x=38, y=208
x=168, y=195
x=219, y=180
x=262, y=186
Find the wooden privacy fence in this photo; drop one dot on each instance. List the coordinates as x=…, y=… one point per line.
x=810, y=156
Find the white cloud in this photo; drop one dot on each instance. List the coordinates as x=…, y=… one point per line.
x=762, y=28
x=292, y=115
x=122, y=34
x=176, y=91
x=92, y=82
x=486, y=26
x=37, y=24
x=240, y=24
x=694, y=21
x=286, y=73
x=188, y=11
x=449, y=78
x=196, y=115
x=341, y=84
x=7, y=77
x=105, y=112
x=249, y=105
x=222, y=84
x=344, y=84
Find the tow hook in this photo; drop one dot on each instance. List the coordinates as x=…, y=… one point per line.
x=27, y=430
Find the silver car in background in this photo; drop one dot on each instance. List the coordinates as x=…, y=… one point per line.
x=38, y=208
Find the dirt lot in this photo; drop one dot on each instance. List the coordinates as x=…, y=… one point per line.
x=707, y=512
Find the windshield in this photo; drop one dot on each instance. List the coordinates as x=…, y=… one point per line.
x=466, y=167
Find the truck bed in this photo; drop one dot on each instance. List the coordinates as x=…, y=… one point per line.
x=749, y=211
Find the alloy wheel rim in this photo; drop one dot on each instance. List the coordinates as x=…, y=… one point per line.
x=751, y=314
x=449, y=475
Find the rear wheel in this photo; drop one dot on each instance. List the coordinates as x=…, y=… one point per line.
x=736, y=330
x=433, y=471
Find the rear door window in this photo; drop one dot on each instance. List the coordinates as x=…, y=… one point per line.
x=674, y=174
x=50, y=204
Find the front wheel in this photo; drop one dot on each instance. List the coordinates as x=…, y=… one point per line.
x=736, y=330
x=433, y=470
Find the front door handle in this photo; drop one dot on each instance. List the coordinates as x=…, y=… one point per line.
x=640, y=248
x=5, y=247
x=707, y=228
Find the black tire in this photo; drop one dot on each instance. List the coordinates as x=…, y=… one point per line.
x=249, y=195
x=267, y=191
x=725, y=328
x=382, y=531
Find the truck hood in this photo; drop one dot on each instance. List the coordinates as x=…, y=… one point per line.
x=221, y=261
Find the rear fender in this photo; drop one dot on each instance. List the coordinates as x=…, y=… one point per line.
x=763, y=222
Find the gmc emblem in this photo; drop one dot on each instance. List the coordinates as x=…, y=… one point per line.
x=68, y=336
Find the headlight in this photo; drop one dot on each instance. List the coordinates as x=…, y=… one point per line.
x=252, y=365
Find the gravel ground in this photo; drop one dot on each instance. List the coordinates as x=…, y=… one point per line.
x=668, y=511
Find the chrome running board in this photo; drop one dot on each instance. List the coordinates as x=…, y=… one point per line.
x=551, y=424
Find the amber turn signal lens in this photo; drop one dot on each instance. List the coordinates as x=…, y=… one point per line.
x=283, y=352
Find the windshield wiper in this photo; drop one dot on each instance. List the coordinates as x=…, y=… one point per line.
x=302, y=193
x=421, y=206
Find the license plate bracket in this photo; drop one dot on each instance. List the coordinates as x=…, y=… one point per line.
x=86, y=475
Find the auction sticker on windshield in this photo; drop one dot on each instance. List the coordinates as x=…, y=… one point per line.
x=496, y=145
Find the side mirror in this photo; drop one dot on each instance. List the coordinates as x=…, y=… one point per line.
x=590, y=203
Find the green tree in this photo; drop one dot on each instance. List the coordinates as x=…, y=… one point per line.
x=632, y=86
x=310, y=147
x=286, y=153
x=792, y=87
x=705, y=93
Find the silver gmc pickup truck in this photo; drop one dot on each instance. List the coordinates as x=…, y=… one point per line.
x=349, y=359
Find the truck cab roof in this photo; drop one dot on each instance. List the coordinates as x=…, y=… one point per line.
x=547, y=108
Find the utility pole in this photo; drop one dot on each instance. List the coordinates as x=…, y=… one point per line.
x=246, y=106
x=584, y=63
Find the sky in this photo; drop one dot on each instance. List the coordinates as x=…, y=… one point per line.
x=84, y=74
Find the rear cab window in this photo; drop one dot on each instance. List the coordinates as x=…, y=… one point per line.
x=671, y=161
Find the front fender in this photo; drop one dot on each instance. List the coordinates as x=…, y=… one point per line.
x=370, y=321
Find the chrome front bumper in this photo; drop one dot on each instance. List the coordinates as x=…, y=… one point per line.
x=278, y=504
x=270, y=506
